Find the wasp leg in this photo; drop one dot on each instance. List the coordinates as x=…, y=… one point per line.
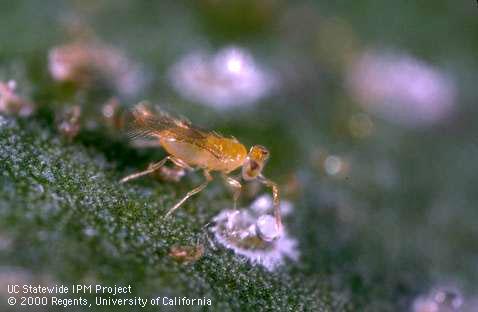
x=276, y=200
x=198, y=189
x=151, y=168
x=180, y=163
x=236, y=188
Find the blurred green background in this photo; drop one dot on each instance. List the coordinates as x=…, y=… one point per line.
x=396, y=222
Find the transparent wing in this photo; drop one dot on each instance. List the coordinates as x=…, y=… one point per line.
x=153, y=124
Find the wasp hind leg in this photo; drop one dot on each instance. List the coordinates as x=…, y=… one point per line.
x=154, y=167
x=193, y=192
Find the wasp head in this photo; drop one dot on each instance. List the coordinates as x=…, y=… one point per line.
x=255, y=161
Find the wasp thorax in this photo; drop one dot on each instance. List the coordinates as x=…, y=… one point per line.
x=256, y=159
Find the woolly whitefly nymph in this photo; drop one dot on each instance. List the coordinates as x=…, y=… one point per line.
x=68, y=121
x=11, y=103
x=439, y=299
x=229, y=78
x=264, y=203
x=401, y=88
x=252, y=233
x=84, y=61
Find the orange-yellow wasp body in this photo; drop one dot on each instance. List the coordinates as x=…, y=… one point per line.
x=193, y=148
x=213, y=153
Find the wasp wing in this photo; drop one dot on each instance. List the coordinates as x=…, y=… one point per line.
x=148, y=122
x=152, y=124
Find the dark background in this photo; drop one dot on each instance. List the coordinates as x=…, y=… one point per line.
x=398, y=224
